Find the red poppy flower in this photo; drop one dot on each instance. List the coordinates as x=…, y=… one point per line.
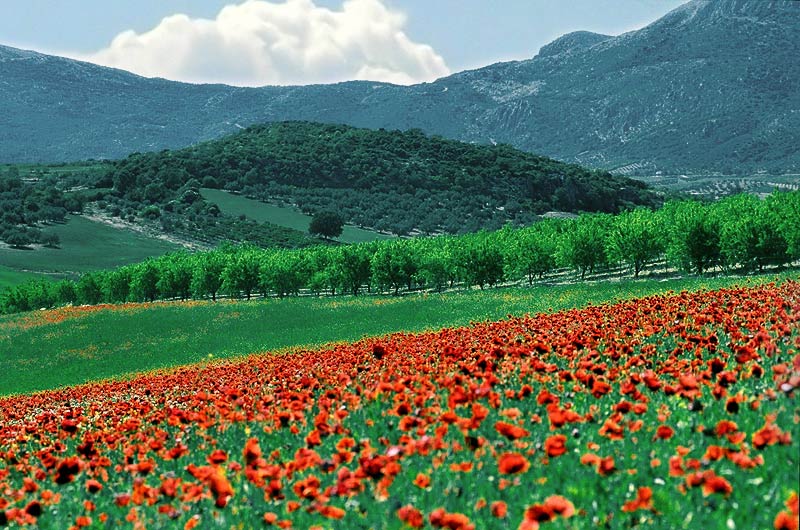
x=511, y=463
x=664, y=432
x=643, y=501
x=410, y=516
x=499, y=509
x=512, y=432
x=555, y=445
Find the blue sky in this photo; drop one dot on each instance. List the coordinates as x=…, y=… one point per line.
x=461, y=34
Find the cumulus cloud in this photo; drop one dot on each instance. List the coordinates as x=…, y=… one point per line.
x=260, y=42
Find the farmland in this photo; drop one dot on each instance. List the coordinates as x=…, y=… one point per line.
x=676, y=410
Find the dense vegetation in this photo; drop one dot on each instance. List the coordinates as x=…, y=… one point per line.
x=388, y=180
x=740, y=232
x=25, y=206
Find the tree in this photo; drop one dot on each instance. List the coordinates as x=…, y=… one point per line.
x=531, y=252
x=144, y=281
x=117, y=286
x=50, y=240
x=19, y=237
x=88, y=290
x=750, y=234
x=354, y=263
x=784, y=209
x=693, y=236
x=633, y=239
x=393, y=266
x=482, y=261
x=207, y=274
x=284, y=273
x=242, y=272
x=326, y=224
x=175, y=276
x=582, y=244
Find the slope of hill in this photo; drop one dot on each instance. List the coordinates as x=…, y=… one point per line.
x=712, y=86
x=388, y=180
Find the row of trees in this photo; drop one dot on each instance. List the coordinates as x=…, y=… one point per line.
x=741, y=232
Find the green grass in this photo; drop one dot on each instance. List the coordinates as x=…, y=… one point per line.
x=35, y=355
x=280, y=215
x=85, y=245
x=11, y=277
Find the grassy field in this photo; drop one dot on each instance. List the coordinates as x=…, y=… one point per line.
x=10, y=277
x=42, y=350
x=85, y=245
x=281, y=216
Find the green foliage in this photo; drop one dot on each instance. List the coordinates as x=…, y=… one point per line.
x=27, y=204
x=741, y=233
x=241, y=275
x=750, y=233
x=326, y=224
x=582, y=243
x=634, y=239
x=389, y=180
x=692, y=237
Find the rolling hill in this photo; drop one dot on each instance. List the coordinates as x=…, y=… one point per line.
x=714, y=86
x=393, y=181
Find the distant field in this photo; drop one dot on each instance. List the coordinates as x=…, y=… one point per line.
x=85, y=245
x=281, y=216
x=48, y=349
x=11, y=277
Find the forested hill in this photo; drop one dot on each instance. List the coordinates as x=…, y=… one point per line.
x=714, y=86
x=389, y=180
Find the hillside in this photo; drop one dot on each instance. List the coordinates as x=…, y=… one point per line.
x=713, y=86
x=388, y=180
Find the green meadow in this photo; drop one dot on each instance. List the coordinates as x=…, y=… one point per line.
x=85, y=245
x=41, y=350
x=10, y=277
x=280, y=215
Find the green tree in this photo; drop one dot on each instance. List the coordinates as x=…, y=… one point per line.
x=89, y=289
x=582, y=243
x=750, y=234
x=175, y=276
x=482, y=261
x=634, y=239
x=144, y=281
x=393, y=266
x=531, y=252
x=242, y=272
x=784, y=210
x=326, y=224
x=207, y=274
x=284, y=273
x=354, y=263
x=117, y=286
x=692, y=236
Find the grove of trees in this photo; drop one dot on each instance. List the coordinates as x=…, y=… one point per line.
x=742, y=232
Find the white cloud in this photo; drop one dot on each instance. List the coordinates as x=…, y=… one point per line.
x=264, y=43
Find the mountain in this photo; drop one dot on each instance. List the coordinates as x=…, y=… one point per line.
x=713, y=86
x=395, y=181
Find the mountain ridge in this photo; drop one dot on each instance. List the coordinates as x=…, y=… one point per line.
x=710, y=87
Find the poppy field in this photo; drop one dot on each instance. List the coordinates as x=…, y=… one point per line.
x=678, y=410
